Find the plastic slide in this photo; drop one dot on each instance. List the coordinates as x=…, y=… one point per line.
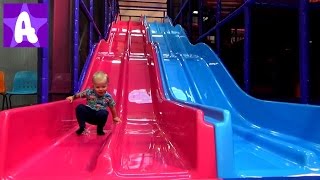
x=254, y=138
x=157, y=139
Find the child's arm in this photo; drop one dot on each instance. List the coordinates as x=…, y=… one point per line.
x=78, y=95
x=116, y=119
x=112, y=106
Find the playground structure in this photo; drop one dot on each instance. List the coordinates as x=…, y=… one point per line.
x=165, y=102
x=145, y=145
x=253, y=137
x=221, y=20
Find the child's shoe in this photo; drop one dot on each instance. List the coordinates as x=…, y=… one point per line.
x=100, y=131
x=80, y=131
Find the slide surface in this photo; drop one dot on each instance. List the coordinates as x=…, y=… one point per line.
x=157, y=139
x=255, y=138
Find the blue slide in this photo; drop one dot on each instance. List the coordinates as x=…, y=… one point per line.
x=254, y=138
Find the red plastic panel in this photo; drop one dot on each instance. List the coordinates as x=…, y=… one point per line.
x=24, y=132
x=157, y=139
x=185, y=127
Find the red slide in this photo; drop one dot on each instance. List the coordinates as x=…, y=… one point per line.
x=157, y=139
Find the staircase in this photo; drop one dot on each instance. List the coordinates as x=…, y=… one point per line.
x=155, y=10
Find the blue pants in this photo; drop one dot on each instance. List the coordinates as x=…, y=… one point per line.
x=86, y=114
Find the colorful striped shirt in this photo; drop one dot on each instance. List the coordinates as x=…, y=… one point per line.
x=97, y=102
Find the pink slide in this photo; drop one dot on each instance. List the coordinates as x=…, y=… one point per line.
x=157, y=139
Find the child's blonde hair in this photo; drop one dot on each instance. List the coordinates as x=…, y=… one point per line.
x=100, y=76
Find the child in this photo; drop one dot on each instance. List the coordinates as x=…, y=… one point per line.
x=97, y=100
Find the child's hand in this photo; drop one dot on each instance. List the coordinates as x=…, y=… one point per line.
x=70, y=98
x=116, y=120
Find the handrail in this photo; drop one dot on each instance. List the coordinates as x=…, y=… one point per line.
x=227, y=19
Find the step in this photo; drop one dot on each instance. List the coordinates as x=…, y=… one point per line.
x=142, y=4
x=144, y=1
x=143, y=9
x=225, y=5
x=129, y=12
x=136, y=18
x=235, y=6
x=224, y=1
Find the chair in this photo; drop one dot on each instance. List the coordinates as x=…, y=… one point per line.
x=24, y=83
x=3, y=90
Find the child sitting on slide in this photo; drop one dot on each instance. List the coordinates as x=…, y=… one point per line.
x=98, y=99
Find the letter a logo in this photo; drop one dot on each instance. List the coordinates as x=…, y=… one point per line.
x=25, y=25
x=28, y=31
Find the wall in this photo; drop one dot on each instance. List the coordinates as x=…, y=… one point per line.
x=16, y=59
x=61, y=49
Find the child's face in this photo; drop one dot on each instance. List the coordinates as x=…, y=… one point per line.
x=100, y=87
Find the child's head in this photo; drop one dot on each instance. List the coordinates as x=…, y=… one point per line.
x=100, y=82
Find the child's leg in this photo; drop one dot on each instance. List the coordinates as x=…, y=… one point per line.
x=101, y=116
x=83, y=113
